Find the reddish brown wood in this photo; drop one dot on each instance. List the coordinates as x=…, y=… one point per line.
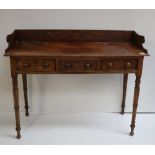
x=78, y=66
x=125, y=80
x=75, y=51
x=33, y=65
x=73, y=35
x=84, y=49
x=135, y=104
x=14, y=76
x=16, y=104
x=136, y=94
x=119, y=65
x=24, y=77
x=75, y=43
x=138, y=40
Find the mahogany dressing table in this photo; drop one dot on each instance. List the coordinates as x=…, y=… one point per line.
x=73, y=52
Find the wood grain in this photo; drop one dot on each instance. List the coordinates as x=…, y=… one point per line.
x=75, y=52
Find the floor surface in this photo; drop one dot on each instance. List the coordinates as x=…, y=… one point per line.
x=76, y=128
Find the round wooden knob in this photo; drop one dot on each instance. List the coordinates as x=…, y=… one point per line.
x=45, y=64
x=67, y=65
x=26, y=65
x=128, y=65
x=88, y=66
x=109, y=65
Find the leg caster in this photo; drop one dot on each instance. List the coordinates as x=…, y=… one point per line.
x=131, y=133
x=18, y=133
x=27, y=112
x=132, y=130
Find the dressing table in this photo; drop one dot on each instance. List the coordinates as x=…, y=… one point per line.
x=74, y=52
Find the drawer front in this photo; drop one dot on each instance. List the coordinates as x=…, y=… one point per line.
x=27, y=65
x=119, y=65
x=46, y=65
x=77, y=66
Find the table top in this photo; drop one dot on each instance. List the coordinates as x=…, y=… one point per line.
x=74, y=49
x=25, y=43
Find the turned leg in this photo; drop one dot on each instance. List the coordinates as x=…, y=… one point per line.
x=135, y=103
x=125, y=80
x=24, y=77
x=16, y=104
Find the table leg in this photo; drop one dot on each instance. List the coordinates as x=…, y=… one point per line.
x=135, y=103
x=16, y=104
x=125, y=80
x=24, y=77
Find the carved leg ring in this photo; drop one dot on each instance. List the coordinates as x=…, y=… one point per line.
x=125, y=80
x=16, y=105
x=135, y=104
x=24, y=77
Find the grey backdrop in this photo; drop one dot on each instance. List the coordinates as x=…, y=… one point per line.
x=78, y=93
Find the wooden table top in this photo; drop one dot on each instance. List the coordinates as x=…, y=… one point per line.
x=74, y=49
x=99, y=43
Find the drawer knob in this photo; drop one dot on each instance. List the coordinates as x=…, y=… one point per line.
x=87, y=66
x=128, y=65
x=67, y=65
x=109, y=65
x=45, y=64
x=26, y=65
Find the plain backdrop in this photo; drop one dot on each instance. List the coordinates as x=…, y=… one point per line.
x=78, y=93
